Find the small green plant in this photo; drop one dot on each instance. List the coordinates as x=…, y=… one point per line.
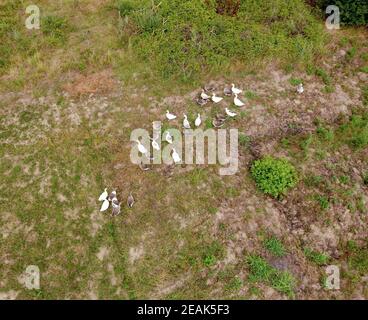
x=244, y=140
x=234, y=285
x=55, y=28
x=274, y=176
x=365, y=95
x=125, y=7
x=261, y=271
x=274, y=246
x=344, y=179
x=365, y=178
x=295, y=81
x=316, y=257
x=325, y=134
x=323, y=202
x=212, y=253
x=358, y=258
x=351, y=53
x=364, y=69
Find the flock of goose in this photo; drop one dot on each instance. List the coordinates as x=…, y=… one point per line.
x=217, y=122
x=106, y=198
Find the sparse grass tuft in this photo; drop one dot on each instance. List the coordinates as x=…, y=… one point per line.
x=261, y=271
x=274, y=246
x=316, y=257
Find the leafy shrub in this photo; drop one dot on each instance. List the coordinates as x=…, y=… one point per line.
x=353, y=12
x=183, y=38
x=274, y=176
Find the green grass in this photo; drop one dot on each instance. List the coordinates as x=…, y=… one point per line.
x=316, y=257
x=274, y=246
x=261, y=271
x=187, y=38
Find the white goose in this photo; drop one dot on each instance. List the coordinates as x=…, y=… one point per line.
x=169, y=138
x=176, y=156
x=103, y=195
x=235, y=90
x=198, y=121
x=204, y=95
x=186, y=123
x=230, y=113
x=141, y=147
x=155, y=145
x=105, y=205
x=238, y=102
x=216, y=99
x=170, y=116
x=300, y=88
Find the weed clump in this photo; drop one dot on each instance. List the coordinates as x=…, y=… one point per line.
x=274, y=176
x=261, y=271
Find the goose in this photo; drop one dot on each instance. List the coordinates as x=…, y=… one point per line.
x=228, y=92
x=216, y=99
x=169, y=138
x=209, y=88
x=186, y=123
x=198, y=121
x=201, y=102
x=300, y=88
x=204, y=95
x=170, y=116
x=116, y=210
x=112, y=195
x=154, y=143
x=175, y=156
x=115, y=207
x=220, y=117
x=141, y=147
x=103, y=195
x=235, y=90
x=238, y=102
x=217, y=123
x=130, y=201
x=105, y=205
x=230, y=113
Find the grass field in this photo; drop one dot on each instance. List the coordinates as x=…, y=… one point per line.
x=72, y=92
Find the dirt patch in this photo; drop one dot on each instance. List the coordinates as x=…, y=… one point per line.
x=96, y=83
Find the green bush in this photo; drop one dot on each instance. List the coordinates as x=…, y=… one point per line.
x=353, y=12
x=274, y=176
x=183, y=38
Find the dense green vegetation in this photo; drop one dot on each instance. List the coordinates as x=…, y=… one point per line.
x=274, y=176
x=353, y=12
x=185, y=37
